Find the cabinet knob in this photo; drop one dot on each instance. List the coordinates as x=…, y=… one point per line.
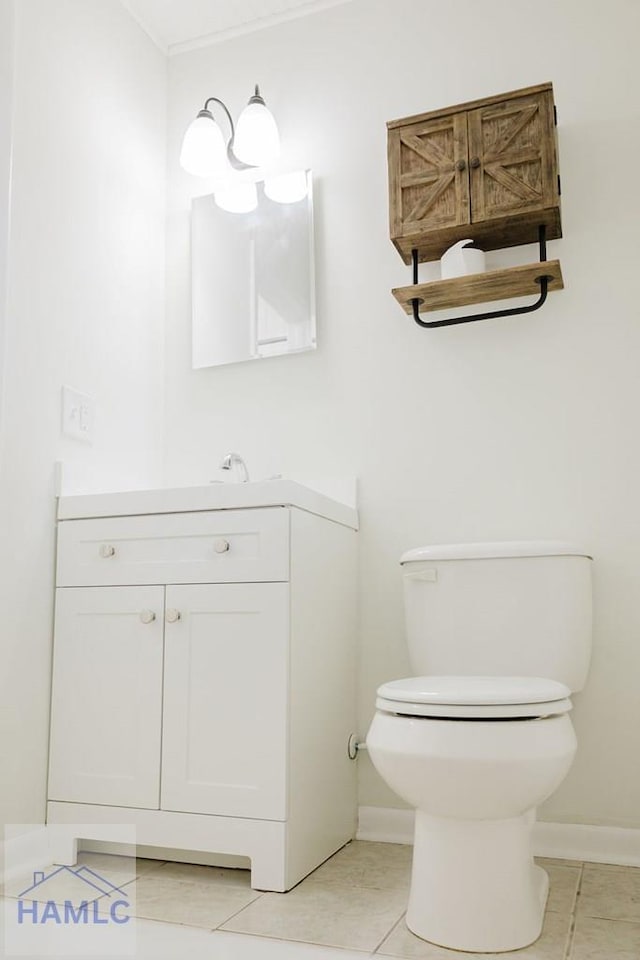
x=147, y=616
x=107, y=550
x=461, y=165
x=475, y=162
x=173, y=615
x=221, y=546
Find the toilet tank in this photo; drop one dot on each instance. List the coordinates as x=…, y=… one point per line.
x=499, y=609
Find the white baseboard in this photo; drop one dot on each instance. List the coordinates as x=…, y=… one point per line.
x=585, y=841
x=23, y=850
x=30, y=847
x=571, y=841
x=385, y=824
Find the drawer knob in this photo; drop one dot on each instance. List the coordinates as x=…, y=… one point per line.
x=173, y=615
x=475, y=162
x=147, y=616
x=107, y=550
x=221, y=546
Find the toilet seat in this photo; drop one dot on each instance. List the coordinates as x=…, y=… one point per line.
x=474, y=698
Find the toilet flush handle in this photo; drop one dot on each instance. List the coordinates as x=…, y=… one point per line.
x=430, y=576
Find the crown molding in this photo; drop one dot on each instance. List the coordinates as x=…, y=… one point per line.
x=252, y=26
x=162, y=47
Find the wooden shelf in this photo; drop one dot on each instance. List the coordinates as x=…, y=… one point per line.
x=502, y=284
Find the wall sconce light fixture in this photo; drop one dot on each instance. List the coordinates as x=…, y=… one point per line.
x=252, y=143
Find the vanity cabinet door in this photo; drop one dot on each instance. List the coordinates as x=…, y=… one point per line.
x=107, y=696
x=224, y=740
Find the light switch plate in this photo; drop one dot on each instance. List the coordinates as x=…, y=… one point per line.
x=77, y=415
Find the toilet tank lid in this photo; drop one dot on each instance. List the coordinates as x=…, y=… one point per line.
x=474, y=690
x=502, y=549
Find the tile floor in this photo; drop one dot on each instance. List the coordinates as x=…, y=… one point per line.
x=352, y=905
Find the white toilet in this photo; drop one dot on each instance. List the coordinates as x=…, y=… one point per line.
x=500, y=636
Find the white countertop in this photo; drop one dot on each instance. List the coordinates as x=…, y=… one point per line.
x=212, y=496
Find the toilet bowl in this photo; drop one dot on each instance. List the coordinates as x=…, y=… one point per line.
x=474, y=756
x=499, y=637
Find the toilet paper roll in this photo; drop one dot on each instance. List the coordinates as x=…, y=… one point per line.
x=461, y=260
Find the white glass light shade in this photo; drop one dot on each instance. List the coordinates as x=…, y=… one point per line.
x=287, y=188
x=239, y=197
x=257, y=140
x=203, y=151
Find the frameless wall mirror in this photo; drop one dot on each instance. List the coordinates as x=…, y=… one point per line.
x=252, y=275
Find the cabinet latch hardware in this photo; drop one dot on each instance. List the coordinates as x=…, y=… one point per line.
x=544, y=280
x=555, y=115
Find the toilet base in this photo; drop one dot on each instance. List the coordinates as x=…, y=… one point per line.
x=474, y=885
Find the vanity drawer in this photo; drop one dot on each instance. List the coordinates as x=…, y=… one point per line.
x=218, y=546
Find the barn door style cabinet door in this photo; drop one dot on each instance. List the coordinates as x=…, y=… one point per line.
x=486, y=170
x=204, y=675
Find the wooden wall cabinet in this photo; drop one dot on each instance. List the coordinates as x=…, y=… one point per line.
x=487, y=170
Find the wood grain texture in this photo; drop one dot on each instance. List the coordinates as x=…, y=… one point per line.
x=428, y=182
x=486, y=169
x=486, y=287
x=469, y=105
x=488, y=235
x=513, y=160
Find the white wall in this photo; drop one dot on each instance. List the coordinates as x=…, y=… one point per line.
x=85, y=308
x=517, y=428
x=6, y=102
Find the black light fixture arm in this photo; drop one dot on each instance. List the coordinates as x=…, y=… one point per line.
x=543, y=280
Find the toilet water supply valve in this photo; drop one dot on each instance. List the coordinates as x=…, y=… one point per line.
x=354, y=746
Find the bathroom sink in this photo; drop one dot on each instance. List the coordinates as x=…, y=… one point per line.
x=212, y=496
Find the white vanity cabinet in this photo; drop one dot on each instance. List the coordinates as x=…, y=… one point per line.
x=204, y=680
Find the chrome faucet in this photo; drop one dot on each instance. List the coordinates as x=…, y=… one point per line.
x=235, y=463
